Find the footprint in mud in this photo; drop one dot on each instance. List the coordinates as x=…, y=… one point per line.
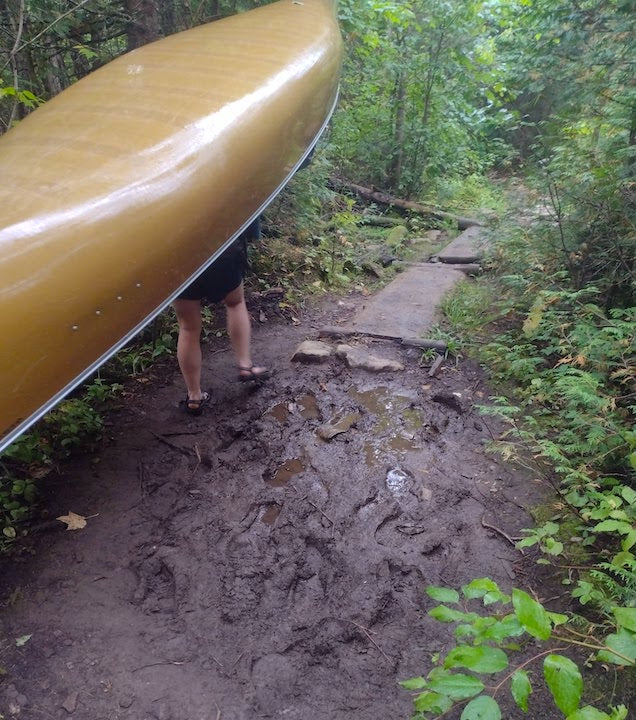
x=242, y=582
x=284, y=473
x=386, y=532
x=274, y=678
x=156, y=587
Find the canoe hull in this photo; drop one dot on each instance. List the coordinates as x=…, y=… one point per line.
x=120, y=190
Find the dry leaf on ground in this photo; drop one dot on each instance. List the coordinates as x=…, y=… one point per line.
x=73, y=521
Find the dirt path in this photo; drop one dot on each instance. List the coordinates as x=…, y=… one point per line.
x=240, y=567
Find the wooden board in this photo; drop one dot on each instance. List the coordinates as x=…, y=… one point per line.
x=118, y=191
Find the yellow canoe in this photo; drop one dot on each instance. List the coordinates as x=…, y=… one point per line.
x=120, y=190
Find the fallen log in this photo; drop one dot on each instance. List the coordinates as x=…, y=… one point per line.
x=402, y=205
x=337, y=332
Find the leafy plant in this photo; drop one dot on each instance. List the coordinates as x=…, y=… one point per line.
x=76, y=424
x=480, y=665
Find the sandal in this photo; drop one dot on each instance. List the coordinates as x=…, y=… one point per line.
x=253, y=374
x=195, y=407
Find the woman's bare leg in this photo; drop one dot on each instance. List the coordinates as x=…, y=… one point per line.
x=189, y=345
x=240, y=331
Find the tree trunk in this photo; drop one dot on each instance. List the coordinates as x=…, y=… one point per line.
x=143, y=26
x=55, y=71
x=395, y=171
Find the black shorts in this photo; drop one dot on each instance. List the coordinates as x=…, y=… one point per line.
x=226, y=272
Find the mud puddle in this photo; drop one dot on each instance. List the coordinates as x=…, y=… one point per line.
x=242, y=565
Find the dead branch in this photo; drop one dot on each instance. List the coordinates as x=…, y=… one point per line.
x=383, y=198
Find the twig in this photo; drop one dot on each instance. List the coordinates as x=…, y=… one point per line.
x=181, y=432
x=324, y=514
x=220, y=664
x=368, y=634
x=140, y=473
x=172, y=445
x=165, y=662
x=198, y=454
x=511, y=540
x=218, y=709
x=490, y=432
x=499, y=685
x=321, y=512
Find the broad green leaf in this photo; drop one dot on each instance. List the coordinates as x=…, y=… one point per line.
x=619, y=526
x=416, y=683
x=432, y=702
x=456, y=685
x=619, y=713
x=463, y=630
x=482, y=708
x=441, y=594
x=553, y=547
x=479, y=587
x=527, y=542
x=624, y=643
x=521, y=688
x=496, y=596
x=446, y=615
x=531, y=614
x=481, y=659
x=622, y=558
x=588, y=713
x=502, y=629
x=557, y=618
x=625, y=618
x=629, y=541
x=563, y=677
x=629, y=495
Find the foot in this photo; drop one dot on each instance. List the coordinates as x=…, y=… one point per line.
x=195, y=407
x=253, y=374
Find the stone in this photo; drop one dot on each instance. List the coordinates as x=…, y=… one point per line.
x=357, y=358
x=70, y=704
x=337, y=426
x=312, y=351
x=450, y=400
x=373, y=268
x=125, y=701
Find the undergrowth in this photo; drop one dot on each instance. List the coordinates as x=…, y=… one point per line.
x=564, y=357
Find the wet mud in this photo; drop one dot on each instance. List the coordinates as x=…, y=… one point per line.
x=249, y=564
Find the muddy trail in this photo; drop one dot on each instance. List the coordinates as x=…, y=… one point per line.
x=240, y=566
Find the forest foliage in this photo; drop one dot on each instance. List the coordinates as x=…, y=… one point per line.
x=438, y=99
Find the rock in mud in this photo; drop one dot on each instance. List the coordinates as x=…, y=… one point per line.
x=312, y=351
x=450, y=400
x=357, y=358
x=70, y=704
x=337, y=426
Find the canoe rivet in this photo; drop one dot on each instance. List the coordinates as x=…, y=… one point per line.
x=119, y=297
x=74, y=327
x=98, y=312
x=138, y=285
